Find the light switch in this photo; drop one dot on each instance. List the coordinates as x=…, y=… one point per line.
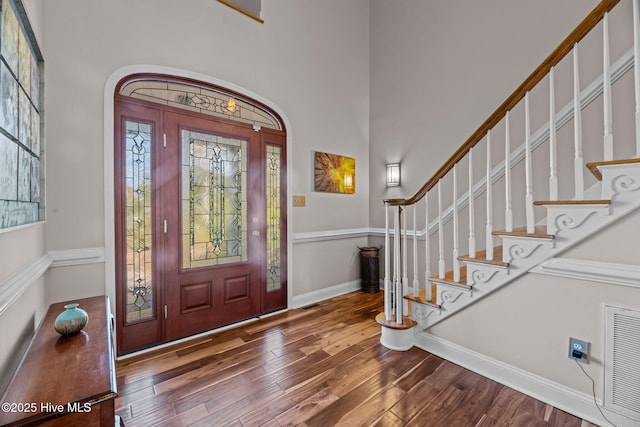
x=299, y=201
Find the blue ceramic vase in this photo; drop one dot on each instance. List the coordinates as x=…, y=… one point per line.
x=71, y=320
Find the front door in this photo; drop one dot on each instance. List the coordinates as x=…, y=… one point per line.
x=200, y=222
x=214, y=212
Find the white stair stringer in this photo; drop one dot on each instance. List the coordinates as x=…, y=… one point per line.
x=571, y=225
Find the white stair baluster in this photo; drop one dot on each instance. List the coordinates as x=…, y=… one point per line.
x=472, y=226
x=416, y=279
x=427, y=271
x=528, y=198
x=606, y=94
x=441, y=264
x=489, y=226
x=456, y=250
x=405, y=258
x=508, y=211
x=636, y=69
x=387, y=286
x=553, y=150
x=578, y=162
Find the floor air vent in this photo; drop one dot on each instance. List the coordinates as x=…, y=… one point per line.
x=622, y=363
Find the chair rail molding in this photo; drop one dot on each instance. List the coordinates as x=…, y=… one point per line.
x=13, y=287
x=318, y=236
x=594, y=271
x=68, y=257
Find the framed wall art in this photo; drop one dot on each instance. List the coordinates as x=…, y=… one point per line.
x=334, y=173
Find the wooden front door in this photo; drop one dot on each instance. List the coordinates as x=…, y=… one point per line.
x=200, y=222
x=214, y=213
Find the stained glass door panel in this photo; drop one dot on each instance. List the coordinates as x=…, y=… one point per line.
x=213, y=197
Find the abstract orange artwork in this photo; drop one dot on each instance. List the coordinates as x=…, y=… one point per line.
x=334, y=173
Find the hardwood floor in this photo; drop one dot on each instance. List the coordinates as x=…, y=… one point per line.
x=318, y=366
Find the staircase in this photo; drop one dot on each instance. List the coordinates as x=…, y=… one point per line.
x=412, y=306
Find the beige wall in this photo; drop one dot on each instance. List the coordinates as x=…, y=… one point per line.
x=441, y=72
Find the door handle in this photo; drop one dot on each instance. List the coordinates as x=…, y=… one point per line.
x=256, y=233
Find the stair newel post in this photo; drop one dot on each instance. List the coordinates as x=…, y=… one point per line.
x=578, y=162
x=472, y=225
x=530, y=220
x=456, y=250
x=387, y=256
x=636, y=69
x=416, y=279
x=427, y=271
x=441, y=264
x=553, y=150
x=606, y=94
x=489, y=226
x=398, y=294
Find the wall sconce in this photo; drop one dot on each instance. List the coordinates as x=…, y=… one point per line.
x=393, y=174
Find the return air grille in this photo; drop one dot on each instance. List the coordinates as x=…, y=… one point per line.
x=622, y=364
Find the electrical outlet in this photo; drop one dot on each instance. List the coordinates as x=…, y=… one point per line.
x=578, y=350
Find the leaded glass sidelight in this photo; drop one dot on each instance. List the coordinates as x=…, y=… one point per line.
x=138, y=221
x=273, y=163
x=214, y=177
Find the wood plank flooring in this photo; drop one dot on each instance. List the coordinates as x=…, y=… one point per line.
x=319, y=366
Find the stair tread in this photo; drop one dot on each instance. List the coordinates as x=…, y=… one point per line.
x=540, y=232
x=448, y=279
x=481, y=257
x=593, y=166
x=571, y=202
x=407, y=323
x=421, y=300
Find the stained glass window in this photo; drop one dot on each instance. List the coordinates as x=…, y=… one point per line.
x=21, y=180
x=214, y=175
x=273, y=161
x=138, y=221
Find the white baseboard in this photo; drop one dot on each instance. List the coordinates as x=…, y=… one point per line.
x=550, y=392
x=323, y=294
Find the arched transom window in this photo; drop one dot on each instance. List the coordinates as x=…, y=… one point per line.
x=206, y=100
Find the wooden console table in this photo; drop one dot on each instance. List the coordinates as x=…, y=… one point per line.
x=65, y=381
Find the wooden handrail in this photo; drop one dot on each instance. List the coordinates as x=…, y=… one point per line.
x=534, y=78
